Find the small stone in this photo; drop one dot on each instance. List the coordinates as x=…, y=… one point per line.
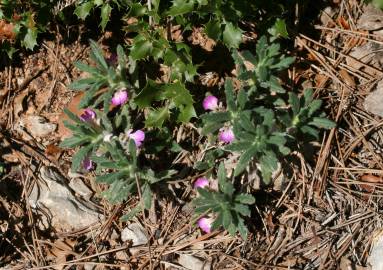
x=376, y=259
x=135, y=233
x=374, y=101
x=193, y=263
x=37, y=126
x=80, y=188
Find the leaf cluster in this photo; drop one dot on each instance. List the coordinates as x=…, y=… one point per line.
x=225, y=204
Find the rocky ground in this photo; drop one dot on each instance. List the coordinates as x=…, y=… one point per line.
x=327, y=216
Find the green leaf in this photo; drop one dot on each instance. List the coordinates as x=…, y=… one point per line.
x=137, y=10
x=73, y=142
x=105, y=14
x=245, y=198
x=245, y=159
x=216, y=117
x=294, y=102
x=314, y=106
x=180, y=7
x=279, y=29
x=82, y=11
x=141, y=49
x=232, y=36
x=97, y=56
x=229, y=92
x=147, y=196
x=224, y=185
x=30, y=38
x=242, y=228
x=322, y=123
x=132, y=213
x=81, y=84
x=269, y=163
x=157, y=117
x=186, y=113
x=213, y=29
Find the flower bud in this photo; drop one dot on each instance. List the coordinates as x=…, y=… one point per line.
x=120, y=97
x=87, y=164
x=205, y=224
x=88, y=115
x=201, y=182
x=226, y=136
x=138, y=137
x=210, y=103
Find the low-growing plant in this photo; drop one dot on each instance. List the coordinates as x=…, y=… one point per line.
x=130, y=114
x=226, y=206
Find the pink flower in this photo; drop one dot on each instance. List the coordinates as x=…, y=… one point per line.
x=87, y=164
x=201, y=182
x=210, y=103
x=138, y=137
x=205, y=224
x=88, y=115
x=226, y=136
x=120, y=97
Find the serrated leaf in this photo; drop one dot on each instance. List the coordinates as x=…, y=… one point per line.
x=82, y=11
x=106, y=9
x=232, y=35
x=141, y=49
x=180, y=7
x=132, y=213
x=157, y=117
x=279, y=29
x=268, y=163
x=244, y=160
x=186, y=113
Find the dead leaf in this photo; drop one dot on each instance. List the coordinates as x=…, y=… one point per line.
x=343, y=23
x=347, y=78
x=53, y=151
x=6, y=30
x=73, y=107
x=369, y=178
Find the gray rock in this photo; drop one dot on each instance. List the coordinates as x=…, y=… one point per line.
x=376, y=259
x=37, y=125
x=374, y=101
x=135, y=233
x=57, y=204
x=193, y=263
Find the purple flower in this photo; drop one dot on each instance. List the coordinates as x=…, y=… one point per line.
x=120, y=97
x=88, y=115
x=210, y=103
x=87, y=164
x=205, y=224
x=226, y=136
x=201, y=182
x=112, y=59
x=138, y=137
